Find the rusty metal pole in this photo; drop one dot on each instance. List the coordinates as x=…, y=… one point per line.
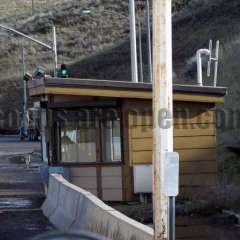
x=162, y=111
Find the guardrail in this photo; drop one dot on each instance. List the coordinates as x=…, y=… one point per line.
x=71, y=209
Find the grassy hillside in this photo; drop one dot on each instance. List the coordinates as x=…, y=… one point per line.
x=193, y=26
x=16, y=7
x=96, y=45
x=78, y=37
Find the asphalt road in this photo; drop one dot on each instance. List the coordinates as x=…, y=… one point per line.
x=21, y=190
x=12, y=145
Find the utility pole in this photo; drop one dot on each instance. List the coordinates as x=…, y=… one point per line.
x=162, y=112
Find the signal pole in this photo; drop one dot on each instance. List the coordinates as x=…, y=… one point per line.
x=25, y=102
x=33, y=7
x=162, y=112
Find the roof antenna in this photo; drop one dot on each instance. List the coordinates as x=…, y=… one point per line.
x=211, y=59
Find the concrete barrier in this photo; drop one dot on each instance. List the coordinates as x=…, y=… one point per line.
x=68, y=203
x=78, y=209
x=51, y=202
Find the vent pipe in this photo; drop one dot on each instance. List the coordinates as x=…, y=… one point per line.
x=207, y=52
x=201, y=52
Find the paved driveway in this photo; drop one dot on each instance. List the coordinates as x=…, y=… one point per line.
x=21, y=190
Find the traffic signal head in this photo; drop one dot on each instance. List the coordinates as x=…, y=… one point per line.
x=63, y=71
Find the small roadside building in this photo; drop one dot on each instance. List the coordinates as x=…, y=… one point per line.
x=101, y=132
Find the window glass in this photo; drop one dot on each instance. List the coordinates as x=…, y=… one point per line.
x=78, y=142
x=111, y=141
x=83, y=132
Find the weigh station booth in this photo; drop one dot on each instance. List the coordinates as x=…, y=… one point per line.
x=101, y=133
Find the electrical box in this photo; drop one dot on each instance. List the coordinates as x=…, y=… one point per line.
x=171, y=171
x=142, y=178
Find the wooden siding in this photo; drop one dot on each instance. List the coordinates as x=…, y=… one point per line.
x=111, y=178
x=107, y=179
x=194, y=140
x=84, y=177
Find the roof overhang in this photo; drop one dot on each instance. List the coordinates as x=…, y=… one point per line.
x=121, y=89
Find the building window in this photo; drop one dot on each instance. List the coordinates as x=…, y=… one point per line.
x=90, y=138
x=111, y=141
x=78, y=142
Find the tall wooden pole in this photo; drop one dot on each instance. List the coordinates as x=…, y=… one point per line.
x=162, y=110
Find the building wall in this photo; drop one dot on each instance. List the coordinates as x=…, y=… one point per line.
x=102, y=181
x=194, y=140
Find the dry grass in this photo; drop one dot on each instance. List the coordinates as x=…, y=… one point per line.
x=16, y=7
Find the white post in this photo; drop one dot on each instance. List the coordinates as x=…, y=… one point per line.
x=162, y=111
x=140, y=49
x=133, y=40
x=149, y=42
x=55, y=57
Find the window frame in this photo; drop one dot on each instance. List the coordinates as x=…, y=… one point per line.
x=57, y=154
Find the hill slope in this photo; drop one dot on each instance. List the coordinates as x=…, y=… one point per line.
x=193, y=26
x=103, y=35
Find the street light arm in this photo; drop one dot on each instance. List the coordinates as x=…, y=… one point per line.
x=26, y=36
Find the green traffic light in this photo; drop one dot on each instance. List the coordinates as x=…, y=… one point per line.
x=64, y=72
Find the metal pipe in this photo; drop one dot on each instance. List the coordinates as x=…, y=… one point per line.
x=140, y=49
x=53, y=48
x=200, y=52
x=216, y=64
x=55, y=56
x=210, y=59
x=133, y=40
x=25, y=36
x=171, y=222
x=149, y=43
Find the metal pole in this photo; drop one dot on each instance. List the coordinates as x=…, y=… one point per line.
x=24, y=87
x=162, y=111
x=171, y=222
x=216, y=64
x=25, y=36
x=33, y=7
x=55, y=57
x=133, y=41
x=24, y=72
x=149, y=42
x=140, y=49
